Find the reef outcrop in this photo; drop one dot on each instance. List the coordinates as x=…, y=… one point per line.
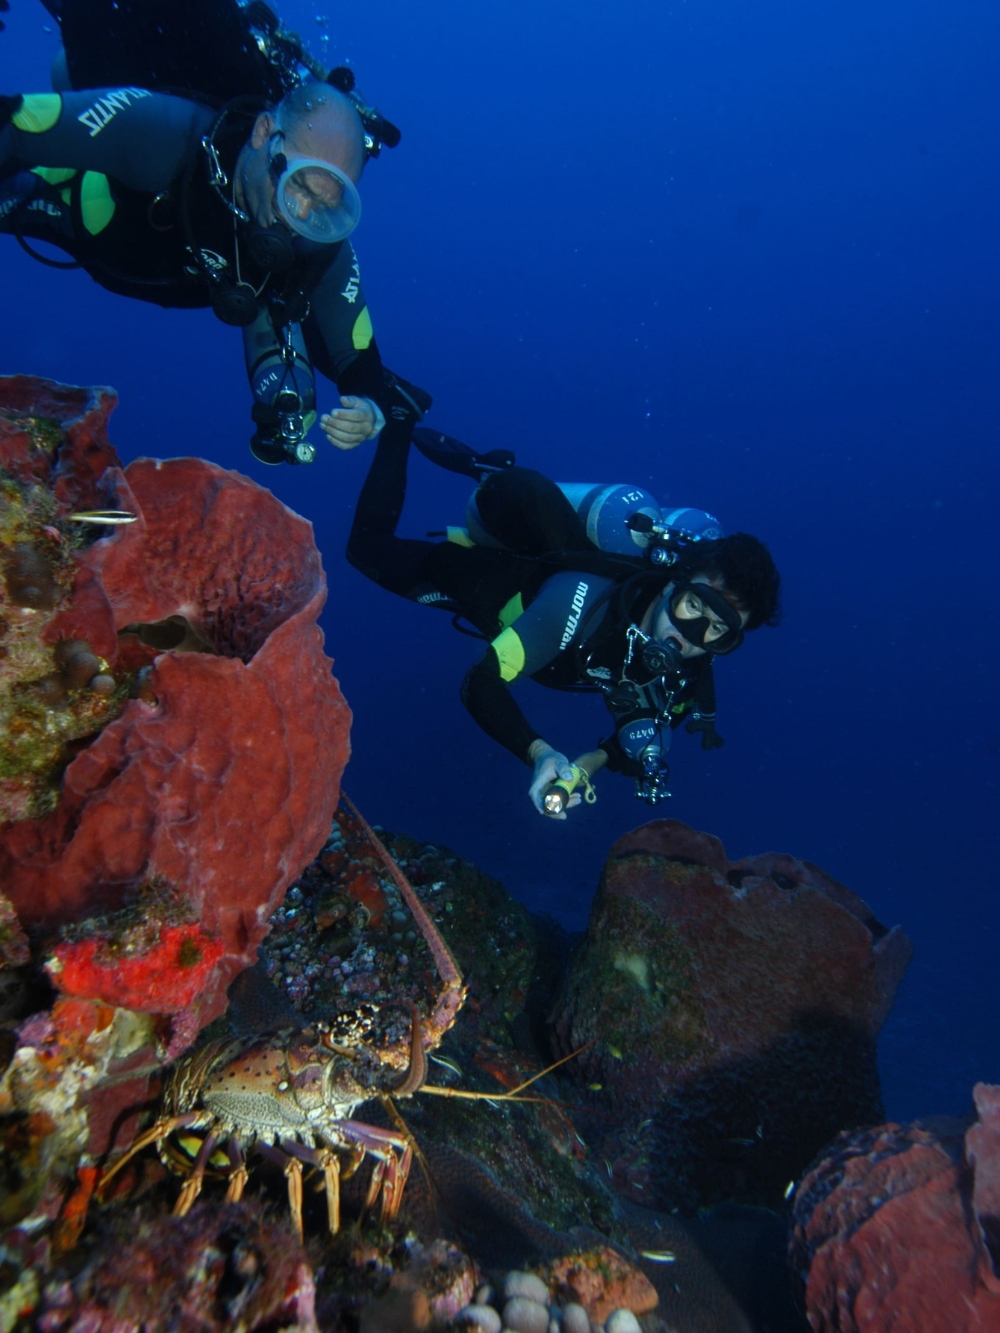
x=898, y=1227
x=196, y=736
x=171, y=745
x=732, y=1010
x=219, y=1269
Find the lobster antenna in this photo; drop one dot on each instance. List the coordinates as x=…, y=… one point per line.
x=443, y=957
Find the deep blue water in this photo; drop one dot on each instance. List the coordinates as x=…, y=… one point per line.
x=744, y=255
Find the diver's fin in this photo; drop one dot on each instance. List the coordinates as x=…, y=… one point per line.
x=447, y=452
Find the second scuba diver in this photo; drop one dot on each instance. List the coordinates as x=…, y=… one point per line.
x=617, y=598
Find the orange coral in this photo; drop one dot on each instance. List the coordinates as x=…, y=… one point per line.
x=601, y=1281
x=165, y=978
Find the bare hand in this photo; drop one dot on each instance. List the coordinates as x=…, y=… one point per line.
x=350, y=424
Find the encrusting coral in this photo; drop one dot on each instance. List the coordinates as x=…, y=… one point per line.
x=54, y=690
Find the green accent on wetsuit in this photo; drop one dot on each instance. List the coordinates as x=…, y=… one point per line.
x=37, y=113
x=55, y=175
x=513, y=609
x=459, y=536
x=510, y=654
x=362, y=333
x=97, y=208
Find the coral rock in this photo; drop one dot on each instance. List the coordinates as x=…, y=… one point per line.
x=14, y=949
x=601, y=1281
x=219, y=1268
x=220, y=777
x=734, y=1008
x=897, y=1228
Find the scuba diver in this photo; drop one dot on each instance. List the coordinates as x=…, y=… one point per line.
x=215, y=165
x=580, y=587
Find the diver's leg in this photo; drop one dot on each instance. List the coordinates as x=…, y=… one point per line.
x=284, y=389
x=33, y=209
x=395, y=563
x=447, y=452
x=474, y=583
x=528, y=514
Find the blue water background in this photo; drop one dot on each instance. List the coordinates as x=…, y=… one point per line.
x=744, y=255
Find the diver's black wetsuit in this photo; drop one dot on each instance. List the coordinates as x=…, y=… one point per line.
x=108, y=174
x=550, y=619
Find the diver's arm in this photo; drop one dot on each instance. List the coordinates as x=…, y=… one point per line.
x=703, y=716
x=548, y=627
x=138, y=138
x=494, y=709
x=342, y=343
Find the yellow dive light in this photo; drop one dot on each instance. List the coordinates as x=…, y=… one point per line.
x=556, y=797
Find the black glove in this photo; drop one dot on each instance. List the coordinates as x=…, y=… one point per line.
x=400, y=399
x=710, y=738
x=9, y=106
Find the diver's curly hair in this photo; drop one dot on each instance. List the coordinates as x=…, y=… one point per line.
x=745, y=566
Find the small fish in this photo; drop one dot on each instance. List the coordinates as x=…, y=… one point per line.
x=111, y=517
x=789, y=1189
x=659, y=1256
x=615, y=1052
x=448, y=1064
x=595, y=1087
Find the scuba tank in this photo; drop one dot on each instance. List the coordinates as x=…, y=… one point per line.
x=619, y=519
x=213, y=52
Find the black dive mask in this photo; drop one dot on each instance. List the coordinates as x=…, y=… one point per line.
x=687, y=608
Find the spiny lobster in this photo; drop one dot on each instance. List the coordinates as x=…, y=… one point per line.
x=293, y=1095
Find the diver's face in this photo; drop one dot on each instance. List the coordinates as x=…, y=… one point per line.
x=308, y=189
x=690, y=607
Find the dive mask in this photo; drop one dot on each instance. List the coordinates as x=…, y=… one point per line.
x=316, y=199
x=705, y=618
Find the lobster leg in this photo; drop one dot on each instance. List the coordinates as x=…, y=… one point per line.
x=378, y=1174
x=397, y=1172
x=293, y=1173
x=158, y=1132
x=192, y=1186
x=327, y=1161
x=238, y=1178
x=331, y=1173
x=357, y=1156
